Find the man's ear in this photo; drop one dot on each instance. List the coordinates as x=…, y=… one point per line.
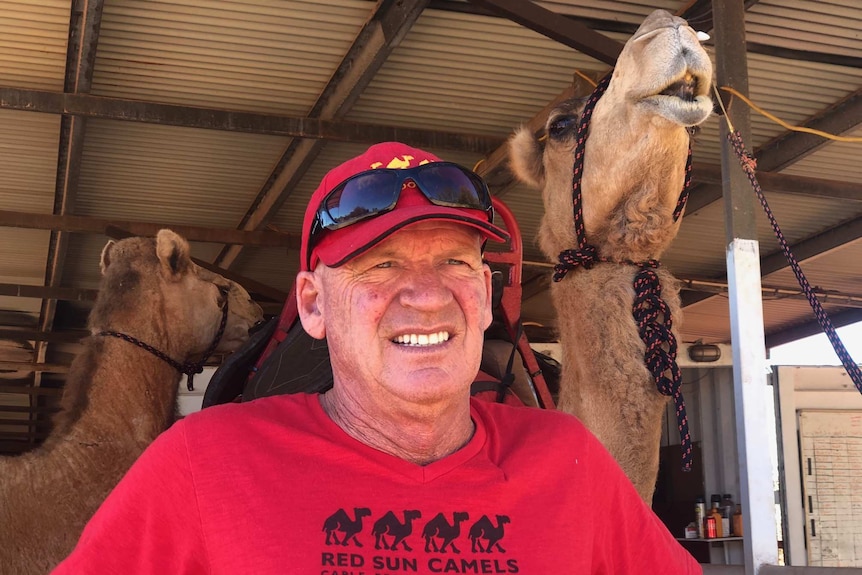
x=308, y=304
x=489, y=296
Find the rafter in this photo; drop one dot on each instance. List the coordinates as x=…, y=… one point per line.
x=571, y=33
x=791, y=146
x=699, y=16
x=121, y=109
x=85, y=22
x=382, y=32
x=774, y=182
x=806, y=249
x=93, y=225
x=840, y=118
x=72, y=336
x=811, y=327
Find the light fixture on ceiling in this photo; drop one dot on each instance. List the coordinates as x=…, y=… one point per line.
x=704, y=352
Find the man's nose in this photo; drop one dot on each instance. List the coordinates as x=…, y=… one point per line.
x=425, y=288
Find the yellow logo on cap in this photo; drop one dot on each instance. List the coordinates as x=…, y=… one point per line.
x=399, y=163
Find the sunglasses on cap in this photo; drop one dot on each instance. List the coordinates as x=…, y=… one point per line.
x=375, y=192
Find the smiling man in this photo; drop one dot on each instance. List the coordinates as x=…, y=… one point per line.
x=395, y=469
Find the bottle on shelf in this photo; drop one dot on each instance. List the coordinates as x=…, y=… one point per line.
x=699, y=514
x=727, y=509
x=709, y=526
x=737, y=521
x=715, y=513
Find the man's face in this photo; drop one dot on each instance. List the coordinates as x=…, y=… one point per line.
x=405, y=320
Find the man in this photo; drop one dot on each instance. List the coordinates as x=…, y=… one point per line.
x=395, y=469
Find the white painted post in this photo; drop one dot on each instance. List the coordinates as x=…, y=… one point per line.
x=751, y=405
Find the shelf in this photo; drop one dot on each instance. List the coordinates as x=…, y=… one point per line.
x=711, y=540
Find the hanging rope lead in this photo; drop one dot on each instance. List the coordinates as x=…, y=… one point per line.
x=655, y=323
x=748, y=166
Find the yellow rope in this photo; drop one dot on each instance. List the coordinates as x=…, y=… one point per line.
x=784, y=124
x=585, y=77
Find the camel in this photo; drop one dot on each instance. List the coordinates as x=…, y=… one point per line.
x=350, y=528
x=118, y=396
x=389, y=525
x=630, y=170
x=485, y=529
x=440, y=528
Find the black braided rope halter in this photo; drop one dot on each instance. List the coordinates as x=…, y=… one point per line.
x=748, y=166
x=650, y=311
x=189, y=368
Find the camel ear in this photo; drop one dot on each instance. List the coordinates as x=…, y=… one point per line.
x=525, y=158
x=105, y=260
x=173, y=252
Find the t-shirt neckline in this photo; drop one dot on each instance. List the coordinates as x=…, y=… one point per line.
x=419, y=473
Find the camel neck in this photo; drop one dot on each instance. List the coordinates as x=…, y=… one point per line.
x=110, y=379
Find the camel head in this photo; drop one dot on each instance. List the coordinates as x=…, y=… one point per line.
x=151, y=289
x=636, y=150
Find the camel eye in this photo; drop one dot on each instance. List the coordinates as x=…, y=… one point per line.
x=223, y=293
x=562, y=125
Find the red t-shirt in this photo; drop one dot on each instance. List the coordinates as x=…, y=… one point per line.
x=274, y=486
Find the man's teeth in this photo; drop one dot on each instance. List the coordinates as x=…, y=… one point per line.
x=422, y=338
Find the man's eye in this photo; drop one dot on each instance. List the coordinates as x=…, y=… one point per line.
x=384, y=265
x=456, y=262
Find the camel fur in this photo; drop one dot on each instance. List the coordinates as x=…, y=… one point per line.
x=118, y=397
x=634, y=165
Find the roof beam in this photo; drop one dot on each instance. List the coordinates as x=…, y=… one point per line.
x=86, y=20
x=73, y=336
x=772, y=182
x=571, y=33
x=698, y=15
x=92, y=225
x=127, y=110
x=383, y=31
x=811, y=327
x=806, y=249
x=36, y=367
x=47, y=292
x=790, y=147
x=840, y=118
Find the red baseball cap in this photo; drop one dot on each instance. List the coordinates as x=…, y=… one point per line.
x=337, y=247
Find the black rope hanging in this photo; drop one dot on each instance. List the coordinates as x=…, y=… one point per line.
x=748, y=165
x=649, y=310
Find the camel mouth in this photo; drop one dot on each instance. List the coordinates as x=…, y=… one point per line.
x=685, y=89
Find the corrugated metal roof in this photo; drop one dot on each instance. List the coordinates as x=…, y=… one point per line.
x=33, y=36
x=834, y=271
x=827, y=26
x=629, y=12
x=254, y=56
x=28, y=166
x=167, y=174
x=428, y=82
x=838, y=160
x=28, y=160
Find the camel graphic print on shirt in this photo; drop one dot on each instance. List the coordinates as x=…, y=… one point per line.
x=358, y=541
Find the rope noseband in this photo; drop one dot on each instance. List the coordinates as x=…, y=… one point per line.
x=188, y=368
x=650, y=311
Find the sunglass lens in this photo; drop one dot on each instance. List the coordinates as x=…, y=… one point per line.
x=449, y=185
x=362, y=196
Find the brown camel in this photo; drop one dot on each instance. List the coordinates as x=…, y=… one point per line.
x=118, y=397
x=632, y=172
